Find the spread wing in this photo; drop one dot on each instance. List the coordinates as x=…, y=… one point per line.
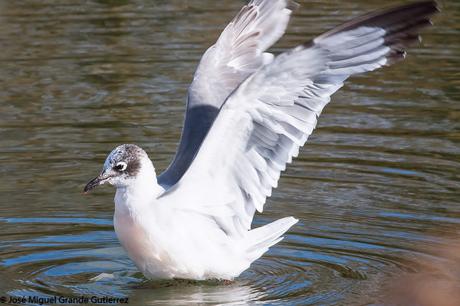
x=239, y=52
x=262, y=125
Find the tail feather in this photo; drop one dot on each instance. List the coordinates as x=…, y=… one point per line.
x=260, y=239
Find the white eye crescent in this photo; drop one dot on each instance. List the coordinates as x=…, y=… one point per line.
x=121, y=166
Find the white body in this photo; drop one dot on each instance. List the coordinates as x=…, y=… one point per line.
x=168, y=241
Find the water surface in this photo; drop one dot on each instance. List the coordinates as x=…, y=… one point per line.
x=376, y=188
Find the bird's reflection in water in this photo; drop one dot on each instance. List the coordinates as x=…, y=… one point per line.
x=185, y=292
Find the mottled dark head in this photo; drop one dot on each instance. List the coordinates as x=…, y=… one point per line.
x=121, y=166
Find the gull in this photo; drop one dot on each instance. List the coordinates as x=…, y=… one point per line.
x=248, y=113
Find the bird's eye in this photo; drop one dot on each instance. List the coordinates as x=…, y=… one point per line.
x=121, y=166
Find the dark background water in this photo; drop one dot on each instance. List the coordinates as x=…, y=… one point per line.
x=376, y=188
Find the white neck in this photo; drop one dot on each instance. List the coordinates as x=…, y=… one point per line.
x=140, y=192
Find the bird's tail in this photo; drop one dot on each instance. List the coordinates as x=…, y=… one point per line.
x=260, y=239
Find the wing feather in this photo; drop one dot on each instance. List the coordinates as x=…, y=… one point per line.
x=263, y=124
x=238, y=53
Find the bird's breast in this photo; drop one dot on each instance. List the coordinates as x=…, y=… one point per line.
x=132, y=237
x=146, y=254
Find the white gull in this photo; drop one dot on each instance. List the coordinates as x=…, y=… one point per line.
x=248, y=113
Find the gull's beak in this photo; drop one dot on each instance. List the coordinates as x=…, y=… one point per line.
x=99, y=180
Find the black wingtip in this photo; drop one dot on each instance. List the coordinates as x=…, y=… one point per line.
x=386, y=18
x=434, y=5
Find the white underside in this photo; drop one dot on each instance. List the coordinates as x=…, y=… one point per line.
x=165, y=244
x=170, y=241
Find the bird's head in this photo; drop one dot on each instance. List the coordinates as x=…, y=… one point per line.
x=121, y=167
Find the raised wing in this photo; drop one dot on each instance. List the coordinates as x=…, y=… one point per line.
x=239, y=52
x=269, y=117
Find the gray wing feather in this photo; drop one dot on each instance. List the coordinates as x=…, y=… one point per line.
x=239, y=52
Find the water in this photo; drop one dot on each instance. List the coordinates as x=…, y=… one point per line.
x=376, y=189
